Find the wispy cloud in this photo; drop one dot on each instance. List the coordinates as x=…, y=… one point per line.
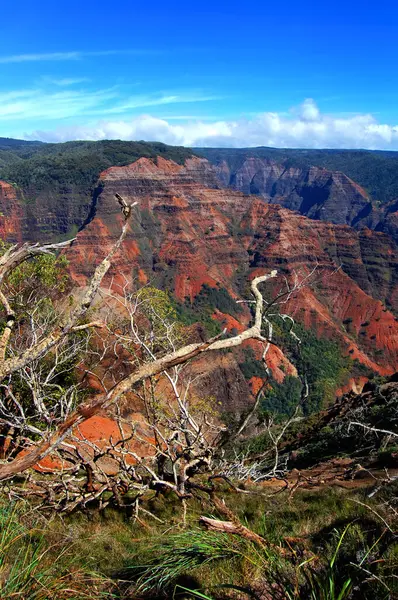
x=64, y=101
x=305, y=126
x=20, y=58
x=65, y=56
x=149, y=100
x=67, y=81
x=36, y=104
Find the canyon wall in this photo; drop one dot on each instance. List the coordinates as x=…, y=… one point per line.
x=188, y=231
x=185, y=235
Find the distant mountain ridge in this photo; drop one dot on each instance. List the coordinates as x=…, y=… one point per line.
x=6, y=143
x=374, y=170
x=315, y=192
x=299, y=180
x=56, y=181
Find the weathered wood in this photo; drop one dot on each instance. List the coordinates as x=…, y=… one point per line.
x=233, y=529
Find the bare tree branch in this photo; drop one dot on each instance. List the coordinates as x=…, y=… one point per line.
x=373, y=429
x=10, y=365
x=145, y=371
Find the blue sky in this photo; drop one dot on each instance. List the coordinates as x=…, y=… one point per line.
x=214, y=73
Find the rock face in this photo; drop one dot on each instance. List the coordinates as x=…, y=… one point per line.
x=11, y=213
x=185, y=234
x=53, y=216
x=44, y=215
x=44, y=218
x=57, y=180
x=315, y=192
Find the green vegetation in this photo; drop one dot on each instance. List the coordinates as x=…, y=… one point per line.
x=45, y=273
x=342, y=549
x=34, y=568
x=180, y=554
x=339, y=438
x=210, y=298
x=203, y=306
x=338, y=432
x=320, y=360
x=42, y=280
x=187, y=553
x=336, y=541
x=250, y=366
x=282, y=398
x=21, y=145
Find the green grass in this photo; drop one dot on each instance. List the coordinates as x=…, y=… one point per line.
x=221, y=562
x=348, y=543
x=169, y=558
x=33, y=569
x=343, y=551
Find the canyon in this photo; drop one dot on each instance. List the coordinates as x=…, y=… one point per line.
x=191, y=232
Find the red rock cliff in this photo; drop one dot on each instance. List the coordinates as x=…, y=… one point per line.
x=11, y=213
x=185, y=234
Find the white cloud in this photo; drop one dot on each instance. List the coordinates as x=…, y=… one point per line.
x=309, y=111
x=305, y=127
x=141, y=101
x=20, y=58
x=62, y=56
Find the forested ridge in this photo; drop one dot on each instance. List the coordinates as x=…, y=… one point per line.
x=40, y=166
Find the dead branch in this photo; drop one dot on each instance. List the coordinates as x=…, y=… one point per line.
x=10, y=365
x=232, y=528
x=373, y=429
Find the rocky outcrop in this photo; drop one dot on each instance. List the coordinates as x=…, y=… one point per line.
x=315, y=192
x=42, y=216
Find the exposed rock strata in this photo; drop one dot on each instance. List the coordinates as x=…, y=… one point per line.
x=11, y=213
x=185, y=235
x=315, y=192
